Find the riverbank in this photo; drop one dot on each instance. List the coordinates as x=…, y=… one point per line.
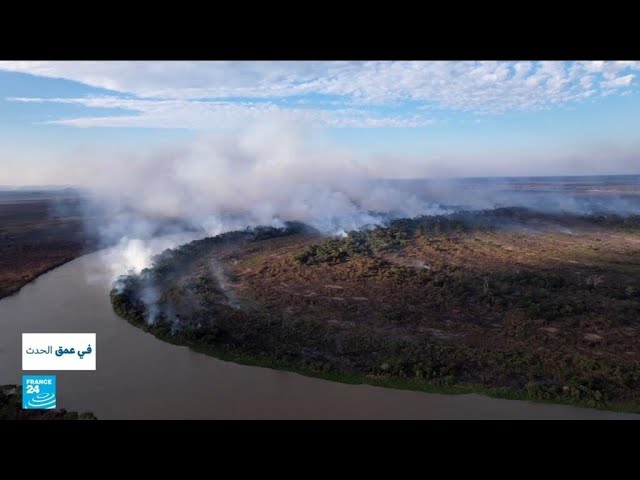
x=257, y=300
x=351, y=378
x=28, y=275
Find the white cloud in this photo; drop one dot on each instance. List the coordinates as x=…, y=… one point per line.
x=594, y=66
x=586, y=81
x=217, y=115
x=204, y=94
x=617, y=82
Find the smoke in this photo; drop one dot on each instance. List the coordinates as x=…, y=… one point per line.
x=149, y=295
x=143, y=203
x=572, y=194
x=132, y=255
x=217, y=271
x=260, y=177
x=140, y=204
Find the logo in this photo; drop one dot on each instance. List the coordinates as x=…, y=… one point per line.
x=58, y=351
x=38, y=392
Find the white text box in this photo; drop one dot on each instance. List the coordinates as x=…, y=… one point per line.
x=58, y=351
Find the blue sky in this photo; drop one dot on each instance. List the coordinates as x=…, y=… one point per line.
x=406, y=118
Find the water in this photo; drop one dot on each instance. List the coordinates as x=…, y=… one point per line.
x=140, y=377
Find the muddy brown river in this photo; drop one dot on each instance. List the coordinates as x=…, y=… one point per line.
x=140, y=377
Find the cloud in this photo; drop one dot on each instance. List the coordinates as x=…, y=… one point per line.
x=617, y=82
x=372, y=93
x=214, y=115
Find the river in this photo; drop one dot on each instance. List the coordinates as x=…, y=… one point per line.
x=140, y=377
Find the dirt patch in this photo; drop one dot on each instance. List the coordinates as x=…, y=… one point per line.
x=549, y=329
x=593, y=337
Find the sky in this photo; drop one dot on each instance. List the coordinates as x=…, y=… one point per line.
x=401, y=119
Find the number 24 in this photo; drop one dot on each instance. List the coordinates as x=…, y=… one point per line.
x=33, y=388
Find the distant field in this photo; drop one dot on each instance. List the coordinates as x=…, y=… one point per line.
x=582, y=194
x=38, y=231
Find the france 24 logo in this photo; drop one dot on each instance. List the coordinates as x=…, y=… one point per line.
x=39, y=392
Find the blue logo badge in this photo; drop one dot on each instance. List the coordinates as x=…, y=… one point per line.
x=39, y=392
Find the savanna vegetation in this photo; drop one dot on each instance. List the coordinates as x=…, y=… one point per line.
x=509, y=302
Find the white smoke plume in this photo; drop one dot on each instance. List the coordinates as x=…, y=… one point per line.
x=258, y=177
x=263, y=176
x=266, y=175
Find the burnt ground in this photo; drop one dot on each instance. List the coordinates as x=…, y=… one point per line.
x=38, y=232
x=534, y=306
